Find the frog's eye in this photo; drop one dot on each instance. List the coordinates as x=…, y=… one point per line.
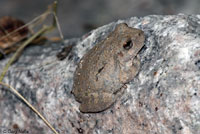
x=128, y=45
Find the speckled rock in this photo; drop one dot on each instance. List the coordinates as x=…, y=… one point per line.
x=164, y=98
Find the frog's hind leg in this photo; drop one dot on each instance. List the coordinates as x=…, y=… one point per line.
x=96, y=102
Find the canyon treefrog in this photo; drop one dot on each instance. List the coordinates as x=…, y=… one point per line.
x=105, y=69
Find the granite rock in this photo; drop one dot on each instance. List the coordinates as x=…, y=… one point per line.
x=164, y=98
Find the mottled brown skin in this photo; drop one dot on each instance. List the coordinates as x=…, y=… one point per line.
x=103, y=71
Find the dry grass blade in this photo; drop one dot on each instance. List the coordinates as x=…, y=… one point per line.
x=21, y=48
x=25, y=101
x=34, y=36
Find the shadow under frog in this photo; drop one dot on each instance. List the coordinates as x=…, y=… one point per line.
x=104, y=70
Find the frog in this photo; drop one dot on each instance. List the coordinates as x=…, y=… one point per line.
x=103, y=72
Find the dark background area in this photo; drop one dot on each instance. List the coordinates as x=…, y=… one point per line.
x=77, y=17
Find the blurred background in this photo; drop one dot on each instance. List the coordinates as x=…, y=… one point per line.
x=78, y=17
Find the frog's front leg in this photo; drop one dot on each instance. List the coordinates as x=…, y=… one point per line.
x=130, y=70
